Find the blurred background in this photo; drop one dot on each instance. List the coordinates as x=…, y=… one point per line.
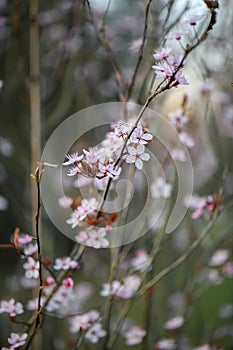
x=76, y=71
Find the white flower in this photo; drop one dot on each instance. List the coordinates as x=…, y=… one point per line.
x=17, y=340
x=137, y=156
x=138, y=136
x=219, y=257
x=174, y=323
x=84, y=321
x=97, y=239
x=178, y=118
x=31, y=268
x=178, y=154
x=108, y=170
x=94, y=333
x=160, y=188
x=11, y=307
x=73, y=158
x=134, y=335
x=81, y=237
x=87, y=207
x=32, y=305
x=30, y=249
x=65, y=263
x=186, y=139
x=110, y=289
x=65, y=202
x=166, y=344
x=129, y=287
x=92, y=155
x=141, y=261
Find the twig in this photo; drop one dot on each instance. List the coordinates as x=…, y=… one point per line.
x=141, y=50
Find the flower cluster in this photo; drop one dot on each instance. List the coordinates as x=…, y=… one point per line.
x=205, y=206
x=124, y=289
x=94, y=238
x=89, y=323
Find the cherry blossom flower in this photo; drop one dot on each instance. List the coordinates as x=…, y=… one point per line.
x=108, y=170
x=87, y=207
x=219, y=257
x=227, y=269
x=129, y=287
x=161, y=188
x=32, y=304
x=31, y=268
x=178, y=118
x=75, y=170
x=65, y=263
x=110, y=289
x=11, y=307
x=73, y=159
x=81, y=237
x=178, y=154
x=24, y=239
x=163, y=53
x=137, y=156
x=134, y=335
x=65, y=202
x=91, y=156
x=95, y=332
x=68, y=283
x=174, y=323
x=97, y=239
x=166, y=344
x=177, y=34
x=30, y=249
x=186, y=139
x=17, y=340
x=192, y=20
x=138, y=136
x=122, y=129
x=141, y=262
x=163, y=70
x=84, y=321
x=180, y=79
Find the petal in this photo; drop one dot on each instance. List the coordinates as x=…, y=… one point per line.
x=130, y=159
x=139, y=164
x=145, y=156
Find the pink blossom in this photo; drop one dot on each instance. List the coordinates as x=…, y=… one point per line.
x=227, y=269
x=178, y=154
x=86, y=208
x=84, y=321
x=11, y=307
x=17, y=340
x=65, y=202
x=137, y=156
x=162, y=54
x=166, y=344
x=110, y=289
x=192, y=20
x=129, y=287
x=134, y=335
x=178, y=118
x=163, y=70
x=32, y=305
x=186, y=139
x=219, y=257
x=180, y=79
x=75, y=170
x=30, y=249
x=31, y=268
x=177, y=34
x=68, y=283
x=24, y=239
x=81, y=237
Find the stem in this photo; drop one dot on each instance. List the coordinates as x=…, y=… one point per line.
x=34, y=67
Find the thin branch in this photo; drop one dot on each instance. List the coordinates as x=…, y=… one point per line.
x=141, y=50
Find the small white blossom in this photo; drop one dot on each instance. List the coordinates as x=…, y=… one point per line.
x=65, y=202
x=186, y=140
x=166, y=344
x=110, y=289
x=65, y=263
x=84, y=321
x=97, y=239
x=11, y=307
x=108, y=170
x=134, y=335
x=161, y=188
x=95, y=332
x=73, y=158
x=17, y=340
x=138, y=136
x=219, y=257
x=174, y=322
x=31, y=268
x=129, y=287
x=137, y=156
x=141, y=261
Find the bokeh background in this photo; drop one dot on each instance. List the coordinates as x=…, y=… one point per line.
x=75, y=72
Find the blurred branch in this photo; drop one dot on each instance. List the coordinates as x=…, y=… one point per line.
x=34, y=68
x=102, y=38
x=140, y=56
